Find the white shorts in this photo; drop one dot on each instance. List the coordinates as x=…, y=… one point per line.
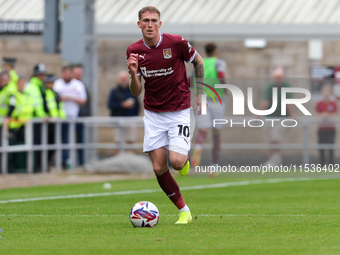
x=167, y=129
x=213, y=112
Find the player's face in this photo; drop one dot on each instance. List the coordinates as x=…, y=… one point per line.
x=149, y=24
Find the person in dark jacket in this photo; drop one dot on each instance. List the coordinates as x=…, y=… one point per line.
x=122, y=103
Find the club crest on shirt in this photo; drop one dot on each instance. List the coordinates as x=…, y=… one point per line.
x=167, y=53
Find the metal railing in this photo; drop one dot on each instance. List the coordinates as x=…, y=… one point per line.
x=91, y=123
x=72, y=146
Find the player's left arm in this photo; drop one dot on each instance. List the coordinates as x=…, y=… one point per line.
x=199, y=74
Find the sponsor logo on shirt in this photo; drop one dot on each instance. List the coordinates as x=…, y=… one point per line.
x=159, y=72
x=142, y=56
x=167, y=53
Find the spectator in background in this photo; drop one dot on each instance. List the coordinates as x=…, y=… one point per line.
x=73, y=94
x=326, y=108
x=56, y=109
x=214, y=73
x=275, y=134
x=121, y=102
x=19, y=113
x=84, y=111
x=37, y=91
x=9, y=65
x=4, y=102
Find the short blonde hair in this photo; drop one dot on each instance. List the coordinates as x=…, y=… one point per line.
x=148, y=9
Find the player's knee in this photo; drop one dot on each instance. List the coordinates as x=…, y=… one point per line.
x=159, y=170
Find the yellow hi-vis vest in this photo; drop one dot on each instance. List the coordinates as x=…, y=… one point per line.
x=23, y=110
x=35, y=89
x=55, y=105
x=5, y=94
x=14, y=77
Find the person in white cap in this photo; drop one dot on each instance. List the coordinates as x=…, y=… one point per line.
x=275, y=134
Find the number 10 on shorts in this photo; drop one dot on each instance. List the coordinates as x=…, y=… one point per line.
x=183, y=131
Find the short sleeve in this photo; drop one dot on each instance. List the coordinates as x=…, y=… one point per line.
x=128, y=52
x=186, y=51
x=221, y=66
x=82, y=91
x=56, y=86
x=317, y=107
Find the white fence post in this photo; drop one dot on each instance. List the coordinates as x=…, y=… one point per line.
x=57, y=140
x=29, y=146
x=44, y=143
x=72, y=144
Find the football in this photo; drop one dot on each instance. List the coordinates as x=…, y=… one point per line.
x=144, y=214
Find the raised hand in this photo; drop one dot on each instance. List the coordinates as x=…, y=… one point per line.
x=132, y=63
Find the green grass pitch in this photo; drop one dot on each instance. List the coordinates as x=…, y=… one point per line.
x=271, y=218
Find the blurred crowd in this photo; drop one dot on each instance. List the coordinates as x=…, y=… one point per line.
x=48, y=98
x=40, y=96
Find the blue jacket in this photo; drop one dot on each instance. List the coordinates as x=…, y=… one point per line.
x=117, y=96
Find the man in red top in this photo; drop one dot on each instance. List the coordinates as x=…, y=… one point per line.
x=159, y=59
x=326, y=131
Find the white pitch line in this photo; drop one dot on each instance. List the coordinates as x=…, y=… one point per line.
x=143, y=191
x=171, y=215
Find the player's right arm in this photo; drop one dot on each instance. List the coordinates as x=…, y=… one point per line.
x=135, y=82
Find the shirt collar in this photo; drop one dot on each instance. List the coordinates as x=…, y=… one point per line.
x=159, y=42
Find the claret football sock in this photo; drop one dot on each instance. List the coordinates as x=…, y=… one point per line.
x=171, y=189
